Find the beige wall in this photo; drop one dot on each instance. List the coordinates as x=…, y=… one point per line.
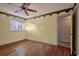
x=43, y=29
x=6, y=36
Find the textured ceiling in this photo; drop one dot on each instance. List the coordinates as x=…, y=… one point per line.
x=42, y=8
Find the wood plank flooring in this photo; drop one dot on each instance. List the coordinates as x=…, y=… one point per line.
x=32, y=48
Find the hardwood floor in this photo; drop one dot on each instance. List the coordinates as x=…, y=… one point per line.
x=32, y=48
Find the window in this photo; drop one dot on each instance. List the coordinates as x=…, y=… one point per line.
x=16, y=25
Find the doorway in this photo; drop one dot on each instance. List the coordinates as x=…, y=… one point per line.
x=64, y=31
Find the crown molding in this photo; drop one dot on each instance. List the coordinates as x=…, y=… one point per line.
x=56, y=12
x=7, y=14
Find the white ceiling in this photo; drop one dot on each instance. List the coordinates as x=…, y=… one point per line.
x=42, y=8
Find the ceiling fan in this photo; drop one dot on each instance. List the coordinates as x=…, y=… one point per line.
x=25, y=8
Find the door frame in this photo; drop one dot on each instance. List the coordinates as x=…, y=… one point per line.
x=74, y=34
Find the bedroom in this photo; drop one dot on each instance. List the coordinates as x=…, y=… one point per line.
x=35, y=29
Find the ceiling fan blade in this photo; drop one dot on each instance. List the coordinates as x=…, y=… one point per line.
x=28, y=4
x=26, y=13
x=32, y=10
x=25, y=5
